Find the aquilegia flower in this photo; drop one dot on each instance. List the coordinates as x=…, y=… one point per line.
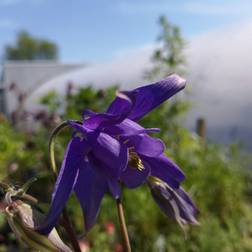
x=109, y=149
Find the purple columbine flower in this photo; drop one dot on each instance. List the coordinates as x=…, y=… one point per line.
x=111, y=148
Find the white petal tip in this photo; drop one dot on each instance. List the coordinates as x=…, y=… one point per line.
x=179, y=80
x=122, y=96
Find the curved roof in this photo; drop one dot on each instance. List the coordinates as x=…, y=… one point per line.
x=220, y=80
x=125, y=71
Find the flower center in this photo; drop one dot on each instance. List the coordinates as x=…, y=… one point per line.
x=135, y=161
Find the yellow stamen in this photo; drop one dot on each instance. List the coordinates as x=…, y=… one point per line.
x=135, y=161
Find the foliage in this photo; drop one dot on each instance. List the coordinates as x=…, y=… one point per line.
x=28, y=47
x=88, y=98
x=169, y=56
x=52, y=101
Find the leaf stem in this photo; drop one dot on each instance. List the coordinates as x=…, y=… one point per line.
x=66, y=221
x=123, y=226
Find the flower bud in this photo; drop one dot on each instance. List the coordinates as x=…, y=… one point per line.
x=23, y=219
x=174, y=203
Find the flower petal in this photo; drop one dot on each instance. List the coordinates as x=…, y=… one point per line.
x=148, y=97
x=73, y=160
x=133, y=177
x=90, y=188
x=101, y=120
x=164, y=200
x=175, y=204
x=108, y=151
x=127, y=128
x=114, y=187
x=165, y=169
x=146, y=145
x=79, y=127
x=105, y=171
x=120, y=104
x=188, y=210
x=87, y=113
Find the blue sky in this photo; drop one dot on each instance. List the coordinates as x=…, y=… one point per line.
x=97, y=30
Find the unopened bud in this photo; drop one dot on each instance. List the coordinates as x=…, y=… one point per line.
x=23, y=219
x=175, y=203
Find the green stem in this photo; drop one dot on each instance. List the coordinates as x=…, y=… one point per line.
x=123, y=226
x=27, y=197
x=66, y=221
x=55, y=132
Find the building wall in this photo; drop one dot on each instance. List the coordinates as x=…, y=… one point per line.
x=2, y=101
x=2, y=96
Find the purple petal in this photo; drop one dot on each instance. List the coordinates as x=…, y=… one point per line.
x=165, y=169
x=101, y=120
x=73, y=160
x=120, y=104
x=87, y=113
x=148, y=97
x=109, y=152
x=163, y=199
x=127, y=128
x=188, y=210
x=79, y=127
x=175, y=204
x=133, y=177
x=90, y=188
x=146, y=145
x=105, y=171
x=114, y=187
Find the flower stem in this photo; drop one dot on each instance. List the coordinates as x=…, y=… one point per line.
x=123, y=226
x=66, y=221
x=51, y=146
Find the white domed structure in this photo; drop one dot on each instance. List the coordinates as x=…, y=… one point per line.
x=219, y=80
x=125, y=71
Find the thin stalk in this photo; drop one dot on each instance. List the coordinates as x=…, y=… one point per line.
x=27, y=197
x=66, y=221
x=123, y=226
x=51, y=146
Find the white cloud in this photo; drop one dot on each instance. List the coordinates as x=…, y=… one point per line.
x=221, y=76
